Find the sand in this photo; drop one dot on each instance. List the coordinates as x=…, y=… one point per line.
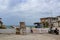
x=29, y=37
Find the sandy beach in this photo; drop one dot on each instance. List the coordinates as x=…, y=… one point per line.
x=29, y=37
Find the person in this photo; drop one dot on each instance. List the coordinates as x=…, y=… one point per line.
x=31, y=31
x=51, y=30
x=56, y=31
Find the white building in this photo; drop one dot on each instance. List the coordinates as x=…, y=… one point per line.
x=55, y=21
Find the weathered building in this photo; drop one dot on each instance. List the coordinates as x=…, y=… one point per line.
x=48, y=21
x=2, y=26
x=58, y=21
x=22, y=28
x=1, y=23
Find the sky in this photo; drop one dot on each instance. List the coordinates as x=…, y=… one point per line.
x=29, y=11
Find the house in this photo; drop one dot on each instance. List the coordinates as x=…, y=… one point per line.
x=58, y=21
x=48, y=21
x=1, y=23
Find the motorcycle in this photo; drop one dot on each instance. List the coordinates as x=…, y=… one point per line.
x=56, y=31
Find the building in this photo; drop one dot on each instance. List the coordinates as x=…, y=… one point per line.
x=58, y=21
x=1, y=23
x=48, y=21
x=22, y=28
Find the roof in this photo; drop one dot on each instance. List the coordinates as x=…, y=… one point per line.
x=58, y=16
x=1, y=22
x=49, y=18
x=37, y=23
x=0, y=18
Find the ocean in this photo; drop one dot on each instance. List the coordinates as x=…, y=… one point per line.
x=9, y=26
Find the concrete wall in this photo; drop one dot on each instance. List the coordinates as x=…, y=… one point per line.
x=35, y=30
x=28, y=30
x=8, y=31
x=12, y=31
x=40, y=30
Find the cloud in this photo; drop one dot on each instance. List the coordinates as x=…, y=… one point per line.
x=3, y=4
x=28, y=9
x=31, y=6
x=37, y=5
